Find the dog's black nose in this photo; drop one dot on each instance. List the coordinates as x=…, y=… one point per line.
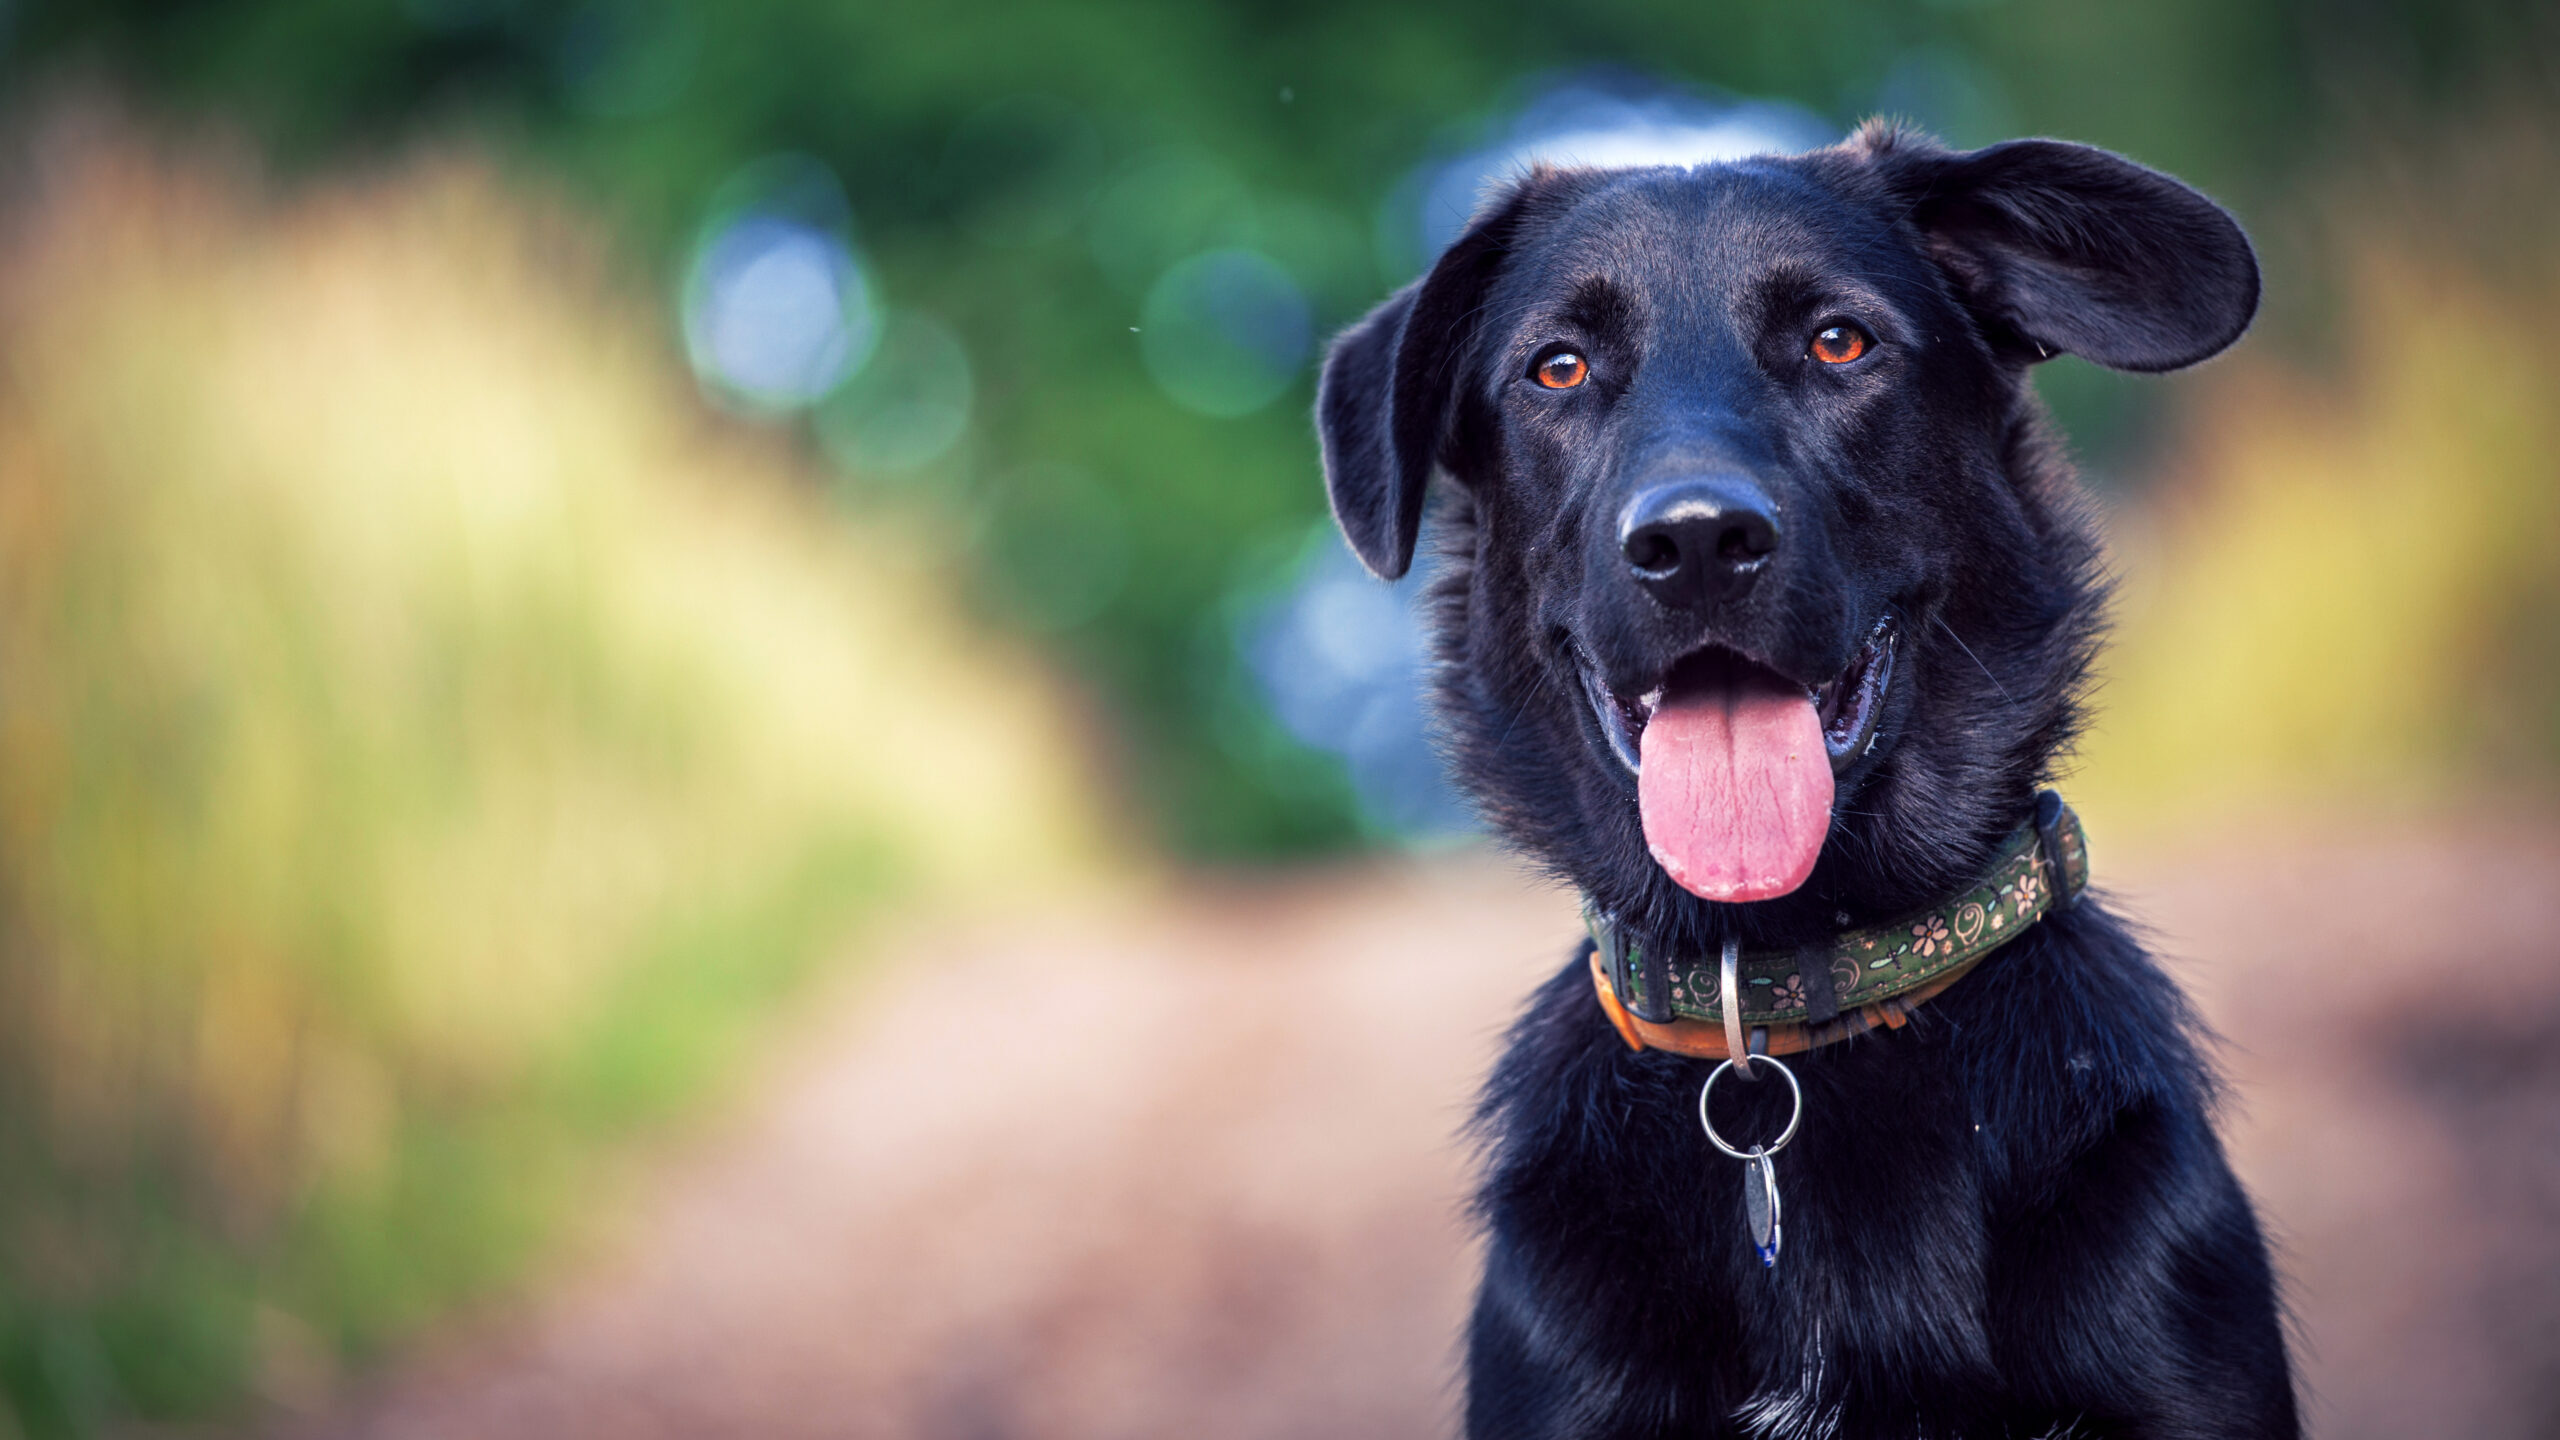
x=1691, y=541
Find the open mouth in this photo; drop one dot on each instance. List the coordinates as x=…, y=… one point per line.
x=1735, y=765
x=1849, y=704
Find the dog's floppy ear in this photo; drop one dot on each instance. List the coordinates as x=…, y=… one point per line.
x=2062, y=247
x=1388, y=394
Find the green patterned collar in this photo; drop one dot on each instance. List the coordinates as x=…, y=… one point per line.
x=2044, y=865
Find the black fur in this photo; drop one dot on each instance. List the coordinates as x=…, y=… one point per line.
x=2012, y=1217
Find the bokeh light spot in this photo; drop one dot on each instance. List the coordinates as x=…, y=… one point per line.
x=1226, y=332
x=776, y=308
x=776, y=312
x=907, y=405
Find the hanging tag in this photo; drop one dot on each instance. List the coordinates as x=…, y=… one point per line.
x=1760, y=1204
x=1759, y=1163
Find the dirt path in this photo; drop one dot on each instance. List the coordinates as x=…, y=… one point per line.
x=1194, y=1174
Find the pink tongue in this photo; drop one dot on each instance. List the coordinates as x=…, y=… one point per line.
x=1735, y=787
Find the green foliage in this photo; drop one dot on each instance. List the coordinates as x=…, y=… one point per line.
x=1026, y=172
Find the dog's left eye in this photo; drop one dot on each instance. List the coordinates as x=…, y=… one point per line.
x=1840, y=344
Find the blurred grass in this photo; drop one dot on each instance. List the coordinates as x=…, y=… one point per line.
x=2344, y=595
x=428, y=750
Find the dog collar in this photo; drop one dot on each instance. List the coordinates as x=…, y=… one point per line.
x=1796, y=1000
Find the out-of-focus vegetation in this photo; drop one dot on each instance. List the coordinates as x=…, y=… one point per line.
x=427, y=749
x=1046, y=178
x=2345, y=595
x=433, y=742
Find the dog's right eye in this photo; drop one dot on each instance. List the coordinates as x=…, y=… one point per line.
x=1561, y=371
x=1840, y=344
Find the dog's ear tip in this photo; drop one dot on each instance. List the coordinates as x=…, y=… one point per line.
x=1387, y=566
x=2089, y=252
x=1371, y=523
x=2228, y=285
x=2244, y=313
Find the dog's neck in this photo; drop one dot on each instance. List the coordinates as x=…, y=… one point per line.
x=1796, y=999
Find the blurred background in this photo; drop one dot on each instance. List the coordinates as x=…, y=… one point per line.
x=682, y=750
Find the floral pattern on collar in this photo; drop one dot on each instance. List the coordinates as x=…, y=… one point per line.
x=1862, y=967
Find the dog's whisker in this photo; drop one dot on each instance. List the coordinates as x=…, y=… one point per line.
x=1518, y=713
x=1941, y=622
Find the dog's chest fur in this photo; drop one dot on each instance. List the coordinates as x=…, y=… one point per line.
x=1913, y=1295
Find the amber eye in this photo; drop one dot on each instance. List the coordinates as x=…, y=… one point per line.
x=1840, y=344
x=1561, y=371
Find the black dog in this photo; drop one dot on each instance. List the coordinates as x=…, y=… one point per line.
x=1766, y=606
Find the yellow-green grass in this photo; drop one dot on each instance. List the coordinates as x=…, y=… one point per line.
x=2347, y=597
x=429, y=748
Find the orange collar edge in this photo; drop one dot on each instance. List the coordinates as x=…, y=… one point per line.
x=1705, y=1040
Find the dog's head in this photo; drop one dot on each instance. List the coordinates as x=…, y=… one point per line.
x=1761, y=587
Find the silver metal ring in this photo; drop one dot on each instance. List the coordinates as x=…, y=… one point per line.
x=1729, y=1000
x=1793, y=1118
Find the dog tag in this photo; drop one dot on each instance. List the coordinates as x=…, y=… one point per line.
x=1760, y=1162
x=1760, y=1204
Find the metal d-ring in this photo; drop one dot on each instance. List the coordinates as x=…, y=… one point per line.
x=1729, y=1001
x=1794, y=1117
